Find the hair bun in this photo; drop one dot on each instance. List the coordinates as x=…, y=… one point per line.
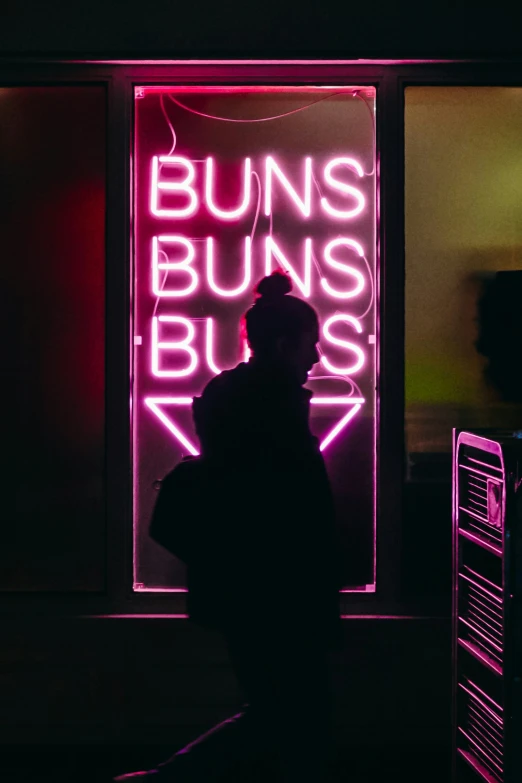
x=275, y=286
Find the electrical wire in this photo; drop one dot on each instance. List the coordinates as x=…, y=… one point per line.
x=174, y=137
x=372, y=118
x=259, y=119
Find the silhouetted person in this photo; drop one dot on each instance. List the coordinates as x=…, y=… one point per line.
x=269, y=581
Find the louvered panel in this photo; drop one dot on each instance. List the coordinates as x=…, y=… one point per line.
x=481, y=729
x=487, y=607
x=480, y=481
x=481, y=617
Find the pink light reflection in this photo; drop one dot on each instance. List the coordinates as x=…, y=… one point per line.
x=345, y=268
x=339, y=427
x=342, y=187
x=337, y=400
x=173, y=187
x=152, y=403
x=246, y=278
x=304, y=205
x=208, y=347
x=344, y=344
x=272, y=249
x=173, y=266
x=172, y=345
x=227, y=214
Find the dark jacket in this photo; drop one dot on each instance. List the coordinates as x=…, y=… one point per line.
x=271, y=553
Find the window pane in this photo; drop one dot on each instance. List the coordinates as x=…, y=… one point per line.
x=319, y=221
x=52, y=223
x=463, y=225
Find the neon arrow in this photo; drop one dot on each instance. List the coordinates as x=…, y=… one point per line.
x=156, y=403
x=355, y=402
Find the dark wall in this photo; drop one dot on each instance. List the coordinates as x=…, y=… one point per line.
x=270, y=29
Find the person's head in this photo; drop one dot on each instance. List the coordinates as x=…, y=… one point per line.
x=282, y=330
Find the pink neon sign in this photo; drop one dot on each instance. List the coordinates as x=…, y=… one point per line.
x=220, y=203
x=173, y=186
x=180, y=188
x=174, y=176
x=273, y=172
x=159, y=246
x=344, y=188
x=247, y=274
x=227, y=214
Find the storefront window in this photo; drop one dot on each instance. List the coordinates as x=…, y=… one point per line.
x=52, y=224
x=463, y=226
x=229, y=184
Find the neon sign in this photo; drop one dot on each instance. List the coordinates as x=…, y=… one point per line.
x=226, y=205
x=179, y=175
x=173, y=179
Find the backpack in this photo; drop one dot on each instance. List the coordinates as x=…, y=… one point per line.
x=179, y=514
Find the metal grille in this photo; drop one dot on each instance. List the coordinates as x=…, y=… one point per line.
x=481, y=618
x=480, y=492
x=483, y=662
x=481, y=729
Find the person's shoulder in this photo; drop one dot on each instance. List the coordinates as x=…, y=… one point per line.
x=222, y=385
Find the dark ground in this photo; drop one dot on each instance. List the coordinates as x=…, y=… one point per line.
x=92, y=764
